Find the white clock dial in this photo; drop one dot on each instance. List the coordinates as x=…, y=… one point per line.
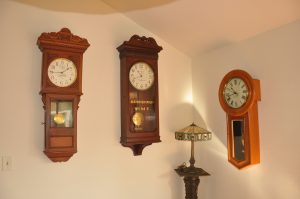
x=236, y=92
x=62, y=72
x=141, y=76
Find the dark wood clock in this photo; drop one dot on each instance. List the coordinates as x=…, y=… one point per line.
x=139, y=93
x=61, y=88
x=238, y=96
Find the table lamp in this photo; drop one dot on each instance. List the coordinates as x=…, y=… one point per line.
x=191, y=173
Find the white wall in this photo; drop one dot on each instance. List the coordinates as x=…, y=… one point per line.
x=274, y=59
x=102, y=168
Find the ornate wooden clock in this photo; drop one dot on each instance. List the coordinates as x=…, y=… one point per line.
x=61, y=88
x=238, y=96
x=139, y=93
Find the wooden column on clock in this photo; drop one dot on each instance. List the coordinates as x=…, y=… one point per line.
x=139, y=93
x=61, y=88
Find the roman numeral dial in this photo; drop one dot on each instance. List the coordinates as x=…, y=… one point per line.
x=235, y=92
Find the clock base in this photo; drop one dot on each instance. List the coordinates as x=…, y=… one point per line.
x=59, y=156
x=137, y=149
x=137, y=145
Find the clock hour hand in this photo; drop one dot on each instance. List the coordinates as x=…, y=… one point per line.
x=139, y=72
x=232, y=90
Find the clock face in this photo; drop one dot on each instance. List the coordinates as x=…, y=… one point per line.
x=141, y=76
x=235, y=92
x=62, y=72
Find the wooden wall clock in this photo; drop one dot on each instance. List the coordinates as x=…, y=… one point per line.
x=238, y=96
x=61, y=88
x=139, y=93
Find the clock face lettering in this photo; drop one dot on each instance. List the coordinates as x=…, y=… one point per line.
x=62, y=72
x=235, y=92
x=141, y=76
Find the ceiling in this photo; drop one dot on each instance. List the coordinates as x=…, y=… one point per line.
x=198, y=26
x=192, y=26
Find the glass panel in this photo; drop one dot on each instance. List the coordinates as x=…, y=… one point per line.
x=238, y=140
x=143, y=114
x=61, y=114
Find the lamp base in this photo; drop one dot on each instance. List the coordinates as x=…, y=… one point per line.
x=191, y=179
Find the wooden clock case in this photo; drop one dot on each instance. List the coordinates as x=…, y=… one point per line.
x=139, y=49
x=247, y=116
x=61, y=142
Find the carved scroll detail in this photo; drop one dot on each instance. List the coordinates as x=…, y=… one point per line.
x=137, y=42
x=142, y=41
x=64, y=38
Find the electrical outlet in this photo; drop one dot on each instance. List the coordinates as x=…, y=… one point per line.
x=6, y=163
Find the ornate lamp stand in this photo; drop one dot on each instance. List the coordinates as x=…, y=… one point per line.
x=191, y=174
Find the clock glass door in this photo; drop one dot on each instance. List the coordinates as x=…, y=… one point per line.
x=61, y=113
x=143, y=114
x=238, y=140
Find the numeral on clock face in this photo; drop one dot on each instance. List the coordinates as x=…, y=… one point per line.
x=236, y=93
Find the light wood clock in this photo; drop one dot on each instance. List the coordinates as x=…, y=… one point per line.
x=238, y=96
x=139, y=93
x=61, y=88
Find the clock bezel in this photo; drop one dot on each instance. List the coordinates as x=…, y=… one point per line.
x=149, y=66
x=251, y=92
x=47, y=86
x=226, y=87
x=74, y=66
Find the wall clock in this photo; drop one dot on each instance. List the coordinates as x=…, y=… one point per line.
x=61, y=88
x=139, y=93
x=238, y=96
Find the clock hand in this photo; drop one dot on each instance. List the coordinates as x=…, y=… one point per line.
x=232, y=90
x=232, y=94
x=61, y=72
x=65, y=70
x=56, y=72
x=139, y=72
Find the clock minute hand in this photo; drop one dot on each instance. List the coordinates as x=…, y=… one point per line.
x=232, y=94
x=65, y=70
x=61, y=72
x=57, y=72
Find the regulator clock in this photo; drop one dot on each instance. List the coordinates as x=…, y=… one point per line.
x=61, y=88
x=139, y=93
x=238, y=96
